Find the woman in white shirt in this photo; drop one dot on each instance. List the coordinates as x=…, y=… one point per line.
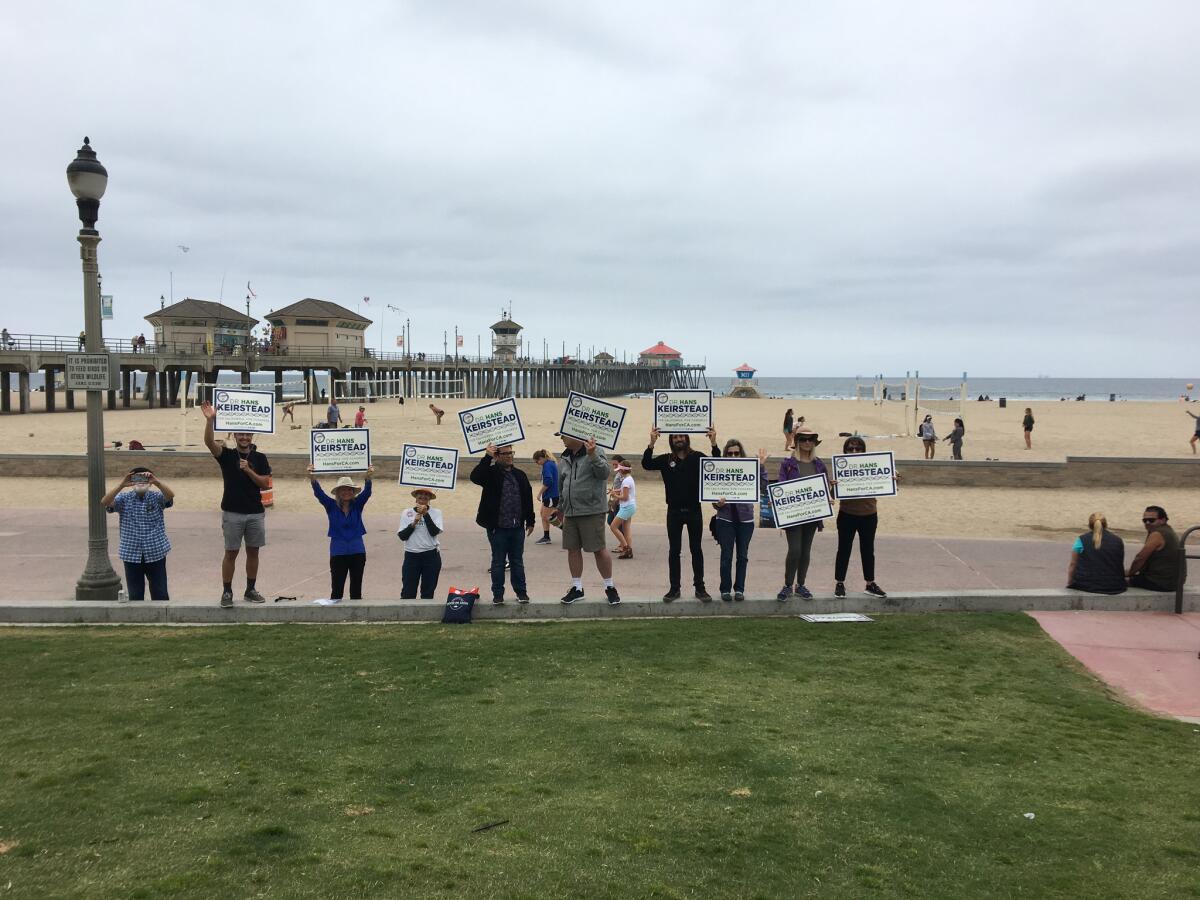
x=419, y=528
x=625, y=494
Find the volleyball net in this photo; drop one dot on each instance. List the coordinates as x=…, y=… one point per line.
x=912, y=399
x=946, y=401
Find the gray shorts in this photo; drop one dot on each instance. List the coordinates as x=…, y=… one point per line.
x=584, y=532
x=249, y=526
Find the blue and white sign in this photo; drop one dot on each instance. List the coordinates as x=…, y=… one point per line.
x=340, y=450
x=585, y=418
x=244, y=411
x=730, y=478
x=858, y=475
x=683, y=412
x=434, y=467
x=496, y=423
x=799, y=501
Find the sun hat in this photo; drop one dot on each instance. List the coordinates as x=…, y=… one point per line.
x=425, y=490
x=346, y=481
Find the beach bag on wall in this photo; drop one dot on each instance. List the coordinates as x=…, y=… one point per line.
x=459, y=605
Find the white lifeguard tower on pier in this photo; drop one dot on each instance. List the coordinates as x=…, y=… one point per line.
x=506, y=337
x=744, y=384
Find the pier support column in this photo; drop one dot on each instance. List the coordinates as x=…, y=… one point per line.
x=245, y=378
x=23, y=392
x=151, y=389
x=48, y=380
x=5, y=384
x=126, y=387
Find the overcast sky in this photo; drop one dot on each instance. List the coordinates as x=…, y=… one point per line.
x=1007, y=188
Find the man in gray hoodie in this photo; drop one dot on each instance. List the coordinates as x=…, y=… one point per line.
x=582, y=507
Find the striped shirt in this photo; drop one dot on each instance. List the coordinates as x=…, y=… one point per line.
x=143, y=531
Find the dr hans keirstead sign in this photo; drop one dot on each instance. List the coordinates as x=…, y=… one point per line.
x=683, y=412
x=586, y=418
x=733, y=480
x=247, y=411
x=864, y=475
x=435, y=467
x=799, y=501
x=344, y=450
x=496, y=423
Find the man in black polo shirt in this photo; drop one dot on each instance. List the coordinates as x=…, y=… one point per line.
x=680, y=470
x=243, y=518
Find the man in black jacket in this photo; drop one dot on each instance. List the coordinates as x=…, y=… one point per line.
x=506, y=512
x=680, y=470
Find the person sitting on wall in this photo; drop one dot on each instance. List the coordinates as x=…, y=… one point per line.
x=1156, y=566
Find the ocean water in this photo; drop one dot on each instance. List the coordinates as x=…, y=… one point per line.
x=1016, y=389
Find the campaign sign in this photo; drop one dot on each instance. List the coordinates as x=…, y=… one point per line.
x=248, y=411
x=864, y=475
x=732, y=479
x=340, y=450
x=683, y=412
x=586, y=417
x=435, y=467
x=496, y=423
x=800, y=501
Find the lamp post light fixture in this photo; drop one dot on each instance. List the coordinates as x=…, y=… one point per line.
x=88, y=179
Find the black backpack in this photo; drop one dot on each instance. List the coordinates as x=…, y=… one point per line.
x=459, y=605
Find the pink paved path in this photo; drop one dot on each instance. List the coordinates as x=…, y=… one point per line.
x=1153, y=658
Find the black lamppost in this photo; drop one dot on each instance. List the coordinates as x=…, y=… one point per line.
x=88, y=180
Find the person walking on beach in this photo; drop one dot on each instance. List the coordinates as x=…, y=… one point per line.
x=547, y=495
x=859, y=517
x=680, y=471
x=1196, y=436
x=437, y=413
x=1156, y=566
x=955, y=438
x=787, y=429
x=245, y=472
x=144, y=545
x=360, y=417
x=347, y=552
x=333, y=415
x=802, y=463
x=1097, y=560
x=582, y=503
x=1027, y=425
x=506, y=514
x=624, y=493
x=928, y=436
x=734, y=530
x=419, y=528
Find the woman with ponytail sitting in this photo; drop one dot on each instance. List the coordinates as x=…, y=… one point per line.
x=1097, y=560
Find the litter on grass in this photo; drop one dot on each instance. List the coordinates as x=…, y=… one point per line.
x=837, y=617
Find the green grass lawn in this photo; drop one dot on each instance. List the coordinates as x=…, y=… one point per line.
x=683, y=758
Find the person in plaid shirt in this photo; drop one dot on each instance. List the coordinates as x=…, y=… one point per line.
x=144, y=545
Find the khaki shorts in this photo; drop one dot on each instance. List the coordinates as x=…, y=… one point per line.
x=252, y=527
x=584, y=533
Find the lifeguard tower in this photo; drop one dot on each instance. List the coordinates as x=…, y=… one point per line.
x=744, y=384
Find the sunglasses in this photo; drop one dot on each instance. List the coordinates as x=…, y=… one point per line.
x=1150, y=521
x=806, y=439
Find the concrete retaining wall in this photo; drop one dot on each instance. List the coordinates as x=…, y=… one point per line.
x=1076, y=472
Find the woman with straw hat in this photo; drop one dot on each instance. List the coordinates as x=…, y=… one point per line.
x=347, y=552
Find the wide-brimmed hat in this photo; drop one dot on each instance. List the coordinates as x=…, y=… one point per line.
x=346, y=481
x=425, y=490
x=806, y=432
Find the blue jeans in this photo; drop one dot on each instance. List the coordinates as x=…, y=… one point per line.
x=137, y=574
x=507, y=543
x=731, y=536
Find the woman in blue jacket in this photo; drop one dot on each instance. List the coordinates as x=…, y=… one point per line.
x=347, y=553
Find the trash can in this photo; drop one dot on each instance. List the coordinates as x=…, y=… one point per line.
x=1003, y=402
x=1112, y=398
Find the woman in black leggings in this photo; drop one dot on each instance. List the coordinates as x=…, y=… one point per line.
x=856, y=517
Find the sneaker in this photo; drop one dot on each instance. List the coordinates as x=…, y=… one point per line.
x=739, y=596
x=703, y=595
x=498, y=600
x=227, y=599
x=543, y=540
x=572, y=595
x=875, y=589
x=613, y=597
x=672, y=594
x=803, y=593
x=727, y=597
x=839, y=590
x=254, y=597
x=522, y=597
x=784, y=593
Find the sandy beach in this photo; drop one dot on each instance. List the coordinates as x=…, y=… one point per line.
x=1062, y=429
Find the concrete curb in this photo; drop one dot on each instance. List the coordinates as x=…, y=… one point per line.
x=397, y=611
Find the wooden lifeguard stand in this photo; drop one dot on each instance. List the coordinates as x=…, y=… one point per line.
x=744, y=384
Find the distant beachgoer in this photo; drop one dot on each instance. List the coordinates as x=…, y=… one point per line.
x=787, y=430
x=801, y=463
x=856, y=517
x=735, y=529
x=347, y=552
x=5, y=339
x=1156, y=566
x=144, y=545
x=82, y=340
x=1196, y=436
x=955, y=438
x=624, y=492
x=437, y=413
x=333, y=415
x=360, y=417
x=928, y=436
x=548, y=492
x=419, y=528
x=1027, y=424
x=1097, y=560
x=289, y=411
